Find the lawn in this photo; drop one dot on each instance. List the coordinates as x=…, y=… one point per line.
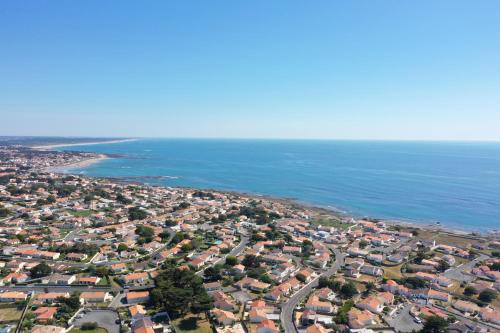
x=193, y=324
x=104, y=281
x=97, y=330
x=114, y=283
x=80, y=213
x=393, y=272
x=331, y=222
x=496, y=302
x=9, y=315
x=359, y=285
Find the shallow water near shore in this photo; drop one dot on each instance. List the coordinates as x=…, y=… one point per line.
x=454, y=183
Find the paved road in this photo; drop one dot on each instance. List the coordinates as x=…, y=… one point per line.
x=404, y=321
x=287, y=308
x=59, y=289
x=70, y=289
x=118, y=301
x=104, y=318
x=234, y=252
x=468, y=320
x=459, y=273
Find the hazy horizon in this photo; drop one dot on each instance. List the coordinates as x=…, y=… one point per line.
x=119, y=138
x=426, y=71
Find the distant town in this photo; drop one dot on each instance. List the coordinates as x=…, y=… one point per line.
x=96, y=255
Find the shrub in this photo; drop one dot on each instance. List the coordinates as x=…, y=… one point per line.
x=89, y=326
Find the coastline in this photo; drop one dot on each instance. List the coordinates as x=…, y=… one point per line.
x=327, y=211
x=318, y=209
x=49, y=147
x=66, y=168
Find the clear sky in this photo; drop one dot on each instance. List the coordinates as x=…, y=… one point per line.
x=268, y=69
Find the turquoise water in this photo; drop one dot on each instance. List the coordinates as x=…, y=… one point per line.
x=454, y=183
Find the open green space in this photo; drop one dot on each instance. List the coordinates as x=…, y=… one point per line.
x=97, y=330
x=9, y=315
x=80, y=213
x=192, y=323
x=331, y=222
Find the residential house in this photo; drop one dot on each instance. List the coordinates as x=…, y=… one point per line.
x=95, y=297
x=138, y=278
x=372, y=270
x=89, y=280
x=134, y=297
x=50, y=297
x=360, y=318
x=313, y=303
x=267, y=326
x=44, y=314
x=372, y=304
x=223, y=301
x=224, y=318
x=59, y=279
x=12, y=296
x=466, y=307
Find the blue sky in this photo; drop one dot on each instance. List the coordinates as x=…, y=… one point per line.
x=269, y=69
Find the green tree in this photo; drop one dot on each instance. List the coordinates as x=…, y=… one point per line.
x=435, y=324
x=135, y=213
x=323, y=282
x=40, y=270
x=495, y=266
x=170, y=223
x=348, y=290
x=231, y=260
x=122, y=247
x=301, y=278
x=369, y=287
x=251, y=261
x=146, y=234
x=363, y=243
x=89, y=326
x=212, y=273
x=443, y=266
x=178, y=237
x=120, y=198
x=164, y=235
x=4, y=212
x=180, y=291
x=469, y=291
x=487, y=295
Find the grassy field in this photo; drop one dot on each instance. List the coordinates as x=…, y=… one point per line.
x=193, y=324
x=496, y=302
x=103, y=282
x=459, y=261
x=330, y=222
x=9, y=315
x=359, y=285
x=393, y=273
x=98, y=330
x=80, y=213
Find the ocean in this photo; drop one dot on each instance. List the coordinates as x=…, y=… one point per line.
x=454, y=183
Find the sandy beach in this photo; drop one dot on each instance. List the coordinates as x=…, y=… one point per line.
x=80, y=164
x=48, y=147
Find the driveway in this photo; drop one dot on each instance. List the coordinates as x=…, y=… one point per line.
x=461, y=273
x=104, y=318
x=404, y=321
x=120, y=300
